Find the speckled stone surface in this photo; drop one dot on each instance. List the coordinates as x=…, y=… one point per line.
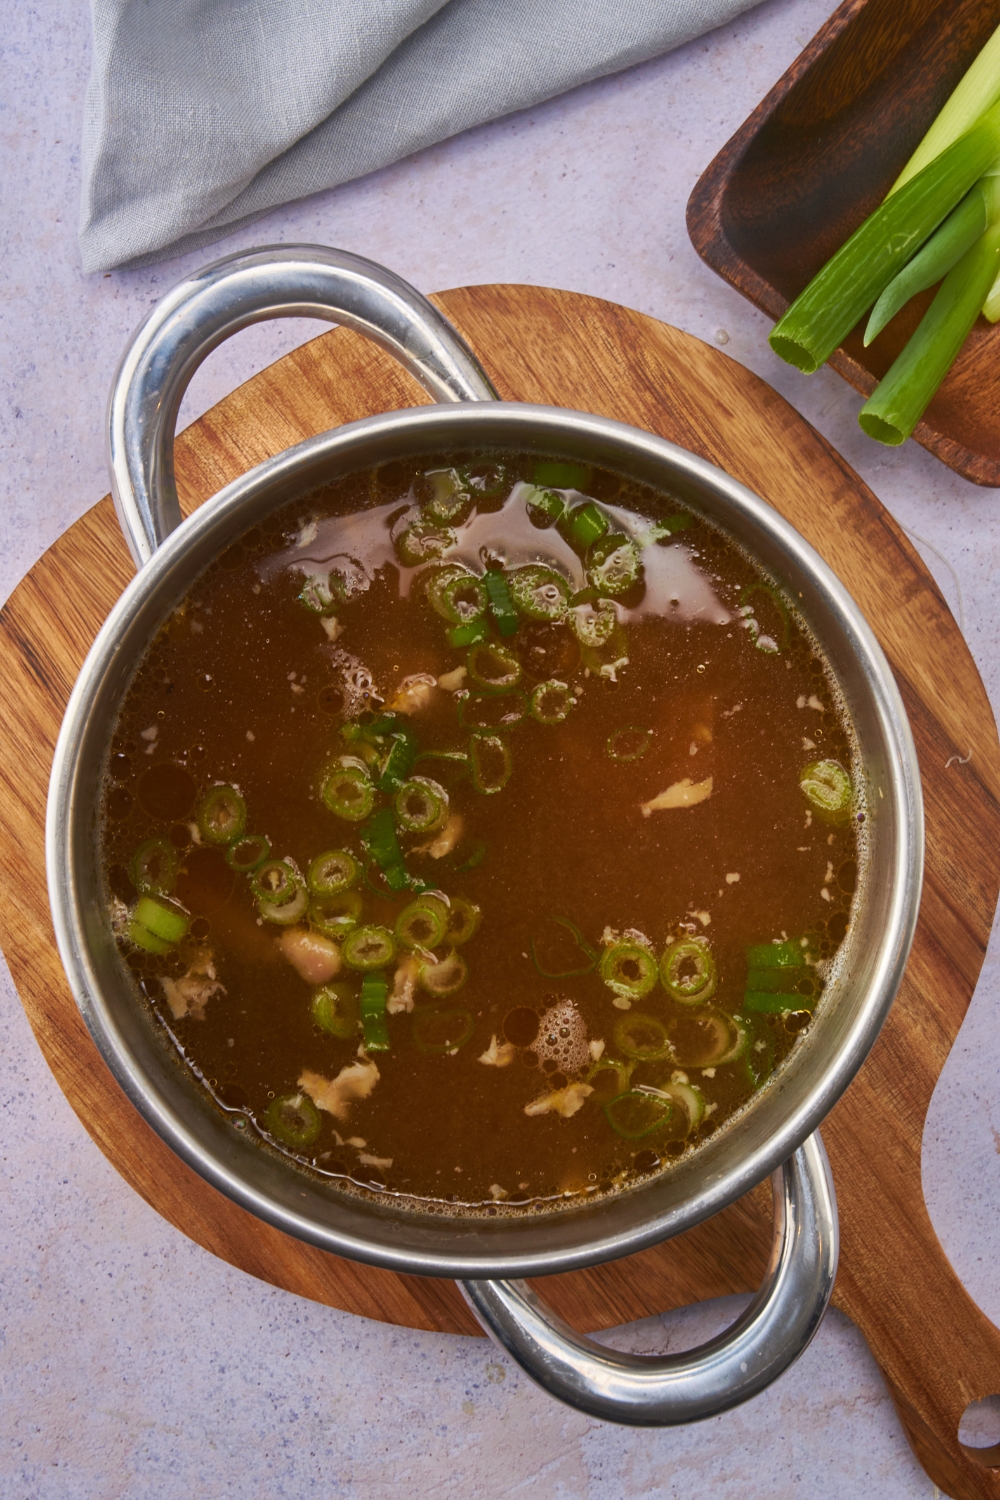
x=132, y=1362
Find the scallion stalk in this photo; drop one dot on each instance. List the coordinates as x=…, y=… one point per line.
x=945, y=248
x=900, y=399
x=822, y=316
x=977, y=91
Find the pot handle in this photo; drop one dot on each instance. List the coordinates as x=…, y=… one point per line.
x=667, y=1390
x=276, y=281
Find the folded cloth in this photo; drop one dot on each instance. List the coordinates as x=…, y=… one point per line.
x=203, y=114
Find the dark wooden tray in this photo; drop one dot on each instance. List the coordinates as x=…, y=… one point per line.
x=816, y=157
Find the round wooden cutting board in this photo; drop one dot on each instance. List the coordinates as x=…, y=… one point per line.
x=936, y=1350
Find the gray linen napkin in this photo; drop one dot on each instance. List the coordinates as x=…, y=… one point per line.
x=203, y=114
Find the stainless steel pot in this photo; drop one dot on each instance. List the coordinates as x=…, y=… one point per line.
x=776, y=1134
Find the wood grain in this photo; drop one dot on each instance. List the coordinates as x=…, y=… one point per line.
x=937, y=1351
x=817, y=155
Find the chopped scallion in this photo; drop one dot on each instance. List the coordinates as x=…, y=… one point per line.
x=294, y=1120
x=348, y=789
x=687, y=971
x=154, y=867
x=444, y=976
x=374, y=991
x=539, y=592
x=437, y=1030
x=248, y=853
x=332, y=872
x=368, y=948
x=501, y=605
x=491, y=763
x=221, y=815
x=551, y=702
x=635, y=1114
x=629, y=970
x=642, y=1037
x=335, y=1009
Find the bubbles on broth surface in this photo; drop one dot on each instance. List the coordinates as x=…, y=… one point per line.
x=539, y=726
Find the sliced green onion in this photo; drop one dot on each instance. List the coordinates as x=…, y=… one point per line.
x=544, y=507
x=945, y=248
x=491, y=763
x=163, y=919
x=828, y=787
x=551, y=702
x=501, y=606
x=494, y=667
x=423, y=541
x=539, y=592
x=763, y=1002
x=558, y=475
x=455, y=762
x=348, y=789
x=444, y=977
x=154, y=867
x=335, y=914
x=464, y=918
x=629, y=970
x=634, y=1114
x=688, y=1097
x=783, y=981
x=670, y=526
x=457, y=595
x=977, y=90
x=899, y=400
x=469, y=635
x=441, y=1030
x=622, y=1073
x=320, y=595
x=294, y=1119
x=707, y=1039
x=448, y=500
x=758, y=1058
x=374, y=991
x=643, y=1038
x=335, y=1009
x=424, y=923
x=768, y=641
x=589, y=955
x=280, y=890
x=784, y=955
x=594, y=627
x=379, y=838
x=332, y=872
x=629, y=742
x=248, y=853
x=421, y=805
x=369, y=948
x=492, y=710
x=687, y=971
x=141, y=937
x=399, y=762
x=584, y=525
x=823, y=315
x=613, y=564
x=221, y=815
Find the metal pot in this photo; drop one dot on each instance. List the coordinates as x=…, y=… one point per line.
x=775, y=1134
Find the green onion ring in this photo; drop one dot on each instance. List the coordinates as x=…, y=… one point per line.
x=154, y=867
x=551, y=702
x=633, y=1115
x=369, y=948
x=335, y=1010
x=294, y=1119
x=641, y=745
x=248, y=853
x=687, y=971
x=642, y=1037
x=437, y=1030
x=628, y=969
x=221, y=815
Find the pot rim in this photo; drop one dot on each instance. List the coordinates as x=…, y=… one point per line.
x=474, y=1247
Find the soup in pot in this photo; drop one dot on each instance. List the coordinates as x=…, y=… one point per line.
x=482, y=831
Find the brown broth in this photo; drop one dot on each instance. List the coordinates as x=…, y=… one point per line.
x=707, y=675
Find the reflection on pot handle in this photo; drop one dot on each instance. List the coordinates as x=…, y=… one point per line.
x=277, y=281
x=664, y=1391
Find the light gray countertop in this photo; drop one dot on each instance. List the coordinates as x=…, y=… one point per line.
x=131, y=1361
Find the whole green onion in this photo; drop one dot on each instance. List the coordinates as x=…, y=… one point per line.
x=978, y=89
x=945, y=248
x=898, y=402
x=822, y=316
